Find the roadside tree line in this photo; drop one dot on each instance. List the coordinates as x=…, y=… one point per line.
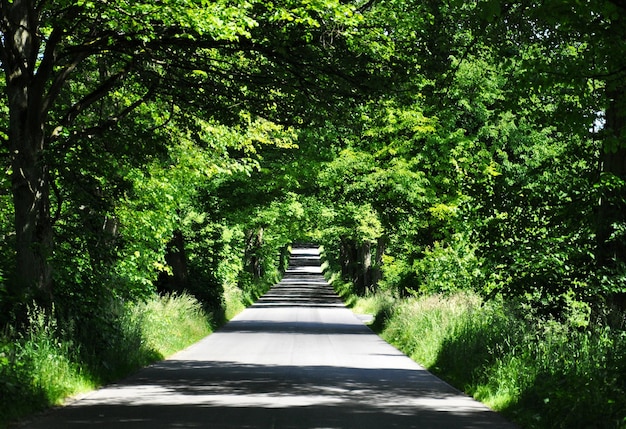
x=429, y=146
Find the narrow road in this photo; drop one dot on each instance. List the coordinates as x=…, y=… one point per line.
x=296, y=359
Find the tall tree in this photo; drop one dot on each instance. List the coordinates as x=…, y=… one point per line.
x=62, y=61
x=571, y=56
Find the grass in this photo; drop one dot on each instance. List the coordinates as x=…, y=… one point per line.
x=538, y=372
x=238, y=297
x=47, y=364
x=37, y=370
x=234, y=300
x=171, y=323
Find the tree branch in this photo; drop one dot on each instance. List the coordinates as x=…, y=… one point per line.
x=95, y=95
x=113, y=120
x=57, y=213
x=60, y=80
x=366, y=6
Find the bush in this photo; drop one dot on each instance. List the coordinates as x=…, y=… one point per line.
x=450, y=267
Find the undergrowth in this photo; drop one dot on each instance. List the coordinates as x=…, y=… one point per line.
x=540, y=373
x=45, y=364
x=56, y=356
x=238, y=296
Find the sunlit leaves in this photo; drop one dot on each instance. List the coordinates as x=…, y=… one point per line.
x=220, y=20
x=313, y=13
x=262, y=132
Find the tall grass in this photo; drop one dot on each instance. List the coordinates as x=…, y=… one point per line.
x=37, y=369
x=171, y=323
x=539, y=372
x=46, y=364
x=234, y=300
x=240, y=295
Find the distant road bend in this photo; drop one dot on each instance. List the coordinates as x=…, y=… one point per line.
x=296, y=359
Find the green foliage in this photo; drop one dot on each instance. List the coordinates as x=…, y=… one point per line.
x=432, y=147
x=6, y=252
x=449, y=267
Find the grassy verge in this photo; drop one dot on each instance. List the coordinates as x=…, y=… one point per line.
x=45, y=365
x=539, y=373
x=238, y=297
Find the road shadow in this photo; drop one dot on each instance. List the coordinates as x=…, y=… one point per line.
x=210, y=394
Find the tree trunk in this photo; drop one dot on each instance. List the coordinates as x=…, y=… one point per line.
x=30, y=178
x=349, y=259
x=377, y=272
x=363, y=282
x=612, y=210
x=176, y=258
x=611, y=245
x=283, y=262
x=253, y=262
x=33, y=276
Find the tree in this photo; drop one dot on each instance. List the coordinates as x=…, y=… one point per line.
x=43, y=47
x=570, y=56
x=77, y=69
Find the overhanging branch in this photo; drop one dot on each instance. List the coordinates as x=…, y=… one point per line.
x=95, y=95
x=113, y=120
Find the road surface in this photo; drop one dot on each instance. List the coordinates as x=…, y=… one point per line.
x=296, y=359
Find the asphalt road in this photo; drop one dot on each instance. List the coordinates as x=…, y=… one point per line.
x=296, y=359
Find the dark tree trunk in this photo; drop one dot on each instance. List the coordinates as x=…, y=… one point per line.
x=348, y=255
x=612, y=210
x=356, y=264
x=363, y=278
x=253, y=262
x=283, y=262
x=611, y=245
x=176, y=258
x=33, y=275
x=377, y=272
x=30, y=178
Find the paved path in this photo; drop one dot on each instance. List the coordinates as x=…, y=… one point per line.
x=296, y=359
